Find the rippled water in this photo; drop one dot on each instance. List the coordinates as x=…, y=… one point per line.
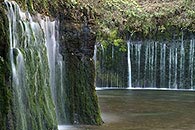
x=144, y=110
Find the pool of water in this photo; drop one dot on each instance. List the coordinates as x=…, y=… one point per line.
x=144, y=110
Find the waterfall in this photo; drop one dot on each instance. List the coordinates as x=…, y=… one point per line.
x=49, y=34
x=162, y=65
x=170, y=66
x=98, y=69
x=112, y=74
x=95, y=60
x=138, y=56
x=95, y=54
x=151, y=64
x=129, y=64
x=191, y=63
x=175, y=69
x=110, y=66
x=154, y=64
x=182, y=64
x=146, y=67
x=35, y=60
x=165, y=65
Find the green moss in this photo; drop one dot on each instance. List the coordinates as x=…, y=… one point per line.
x=39, y=96
x=81, y=92
x=5, y=92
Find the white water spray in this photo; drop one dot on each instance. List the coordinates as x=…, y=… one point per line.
x=129, y=64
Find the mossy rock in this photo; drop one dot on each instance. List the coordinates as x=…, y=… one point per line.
x=5, y=91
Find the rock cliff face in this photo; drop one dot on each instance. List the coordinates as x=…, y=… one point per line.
x=77, y=41
x=5, y=90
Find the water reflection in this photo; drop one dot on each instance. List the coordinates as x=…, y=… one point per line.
x=145, y=110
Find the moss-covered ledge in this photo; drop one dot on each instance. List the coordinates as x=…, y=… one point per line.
x=5, y=90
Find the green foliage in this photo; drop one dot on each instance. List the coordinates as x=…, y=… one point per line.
x=144, y=19
x=111, y=37
x=117, y=42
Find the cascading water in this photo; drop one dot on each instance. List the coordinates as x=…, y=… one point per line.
x=163, y=65
x=35, y=59
x=182, y=64
x=191, y=63
x=55, y=61
x=110, y=64
x=152, y=64
x=138, y=56
x=146, y=66
x=129, y=64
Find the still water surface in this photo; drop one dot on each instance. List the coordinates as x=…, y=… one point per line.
x=144, y=110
